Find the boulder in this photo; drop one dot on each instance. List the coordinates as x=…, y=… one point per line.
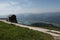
x=12, y=18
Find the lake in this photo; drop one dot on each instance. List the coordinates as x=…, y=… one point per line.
x=29, y=22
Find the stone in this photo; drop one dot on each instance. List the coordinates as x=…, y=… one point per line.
x=12, y=18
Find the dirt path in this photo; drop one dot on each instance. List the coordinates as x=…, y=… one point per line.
x=55, y=34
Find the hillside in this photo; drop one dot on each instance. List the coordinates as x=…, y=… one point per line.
x=12, y=32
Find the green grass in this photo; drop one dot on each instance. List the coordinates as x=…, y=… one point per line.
x=12, y=32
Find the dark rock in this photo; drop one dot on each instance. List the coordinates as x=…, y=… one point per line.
x=12, y=18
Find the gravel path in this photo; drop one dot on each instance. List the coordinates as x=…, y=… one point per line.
x=55, y=34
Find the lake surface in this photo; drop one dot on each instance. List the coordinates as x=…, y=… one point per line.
x=50, y=18
x=29, y=22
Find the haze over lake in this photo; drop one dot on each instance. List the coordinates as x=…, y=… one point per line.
x=50, y=18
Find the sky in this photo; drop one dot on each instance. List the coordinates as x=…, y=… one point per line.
x=28, y=6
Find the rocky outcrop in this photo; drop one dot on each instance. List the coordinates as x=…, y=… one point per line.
x=12, y=18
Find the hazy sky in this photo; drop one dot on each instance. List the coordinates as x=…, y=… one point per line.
x=28, y=6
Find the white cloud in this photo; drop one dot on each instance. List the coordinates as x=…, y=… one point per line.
x=14, y=7
x=9, y=8
x=3, y=6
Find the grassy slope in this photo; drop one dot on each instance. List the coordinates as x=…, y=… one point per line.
x=12, y=32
